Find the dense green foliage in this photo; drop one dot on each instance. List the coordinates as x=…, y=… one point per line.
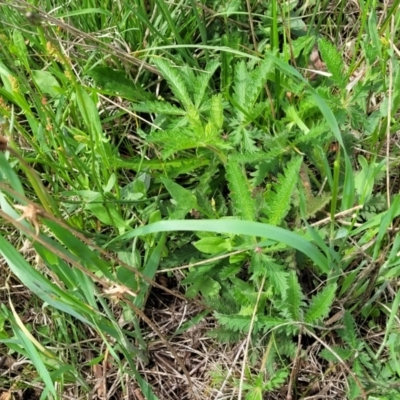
x=252, y=144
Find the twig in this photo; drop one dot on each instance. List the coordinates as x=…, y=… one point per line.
x=337, y=215
x=295, y=368
x=353, y=375
x=248, y=339
x=253, y=35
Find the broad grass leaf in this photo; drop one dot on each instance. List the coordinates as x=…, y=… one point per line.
x=8, y=175
x=150, y=270
x=41, y=286
x=183, y=197
x=84, y=11
x=117, y=83
x=98, y=141
x=20, y=46
x=210, y=245
x=36, y=359
x=374, y=35
x=396, y=84
x=386, y=221
x=365, y=179
x=89, y=112
x=108, y=216
x=237, y=227
x=46, y=82
x=76, y=249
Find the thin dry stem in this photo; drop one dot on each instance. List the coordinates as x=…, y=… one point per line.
x=248, y=339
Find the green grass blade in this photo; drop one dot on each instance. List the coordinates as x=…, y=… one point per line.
x=237, y=227
x=36, y=359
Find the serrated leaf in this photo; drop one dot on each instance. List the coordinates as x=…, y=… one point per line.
x=294, y=298
x=278, y=278
x=278, y=201
x=216, y=112
x=349, y=334
x=255, y=112
x=230, y=270
x=240, y=191
x=195, y=122
x=262, y=264
x=321, y=304
x=175, y=81
x=240, y=84
x=244, y=294
x=207, y=286
x=247, y=141
x=248, y=85
x=202, y=81
x=256, y=81
x=261, y=171
x=344, y=354
x=158, y=107
x=333, y=61
x=237, y=323
x=316, y=204
x=173, y=141
x=182, y=165
x=242, y=136
x=277, y=380
x=255, y=393
x=269, y=323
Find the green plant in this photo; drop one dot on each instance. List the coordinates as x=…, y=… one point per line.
x=192, y=145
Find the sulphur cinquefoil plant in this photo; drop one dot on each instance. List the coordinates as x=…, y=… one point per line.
x=199, y=200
